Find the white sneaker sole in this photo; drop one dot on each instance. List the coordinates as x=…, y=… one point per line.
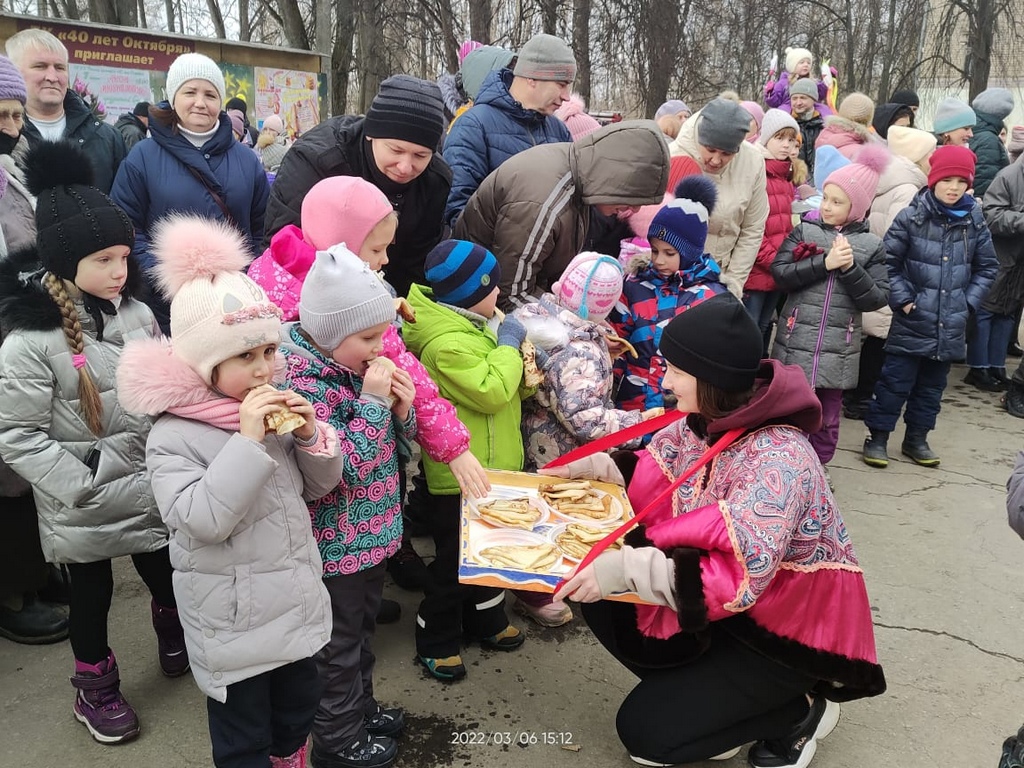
x=724, y=756
x=99, y=736
x=827, y=724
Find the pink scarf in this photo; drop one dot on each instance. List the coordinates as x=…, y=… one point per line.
x=221, y=412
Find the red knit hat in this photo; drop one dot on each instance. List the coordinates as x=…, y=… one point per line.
x=950, y=160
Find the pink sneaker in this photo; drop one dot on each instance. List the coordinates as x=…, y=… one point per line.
x=553, y=614
x=296, y=760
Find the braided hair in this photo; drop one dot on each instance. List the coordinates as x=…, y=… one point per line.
x=88, y=394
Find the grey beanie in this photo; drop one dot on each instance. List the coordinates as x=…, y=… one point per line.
x=546, y=57
x=952, y=114
x=672, y=107
x=804, y=87
x=997, y=102
x=342, y=296
x=723, y=125
x=481, y=62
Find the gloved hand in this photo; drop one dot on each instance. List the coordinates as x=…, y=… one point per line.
x=511, y=333
x=597, y=466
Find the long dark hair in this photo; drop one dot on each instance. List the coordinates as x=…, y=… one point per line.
x=168, y=118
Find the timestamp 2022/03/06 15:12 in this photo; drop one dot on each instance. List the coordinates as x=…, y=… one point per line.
x=480, y=738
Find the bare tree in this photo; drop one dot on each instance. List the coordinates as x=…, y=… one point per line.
x=581, y=46
x=481, y=14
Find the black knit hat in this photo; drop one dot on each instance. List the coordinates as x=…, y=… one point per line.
x=715, y=341
x=73, y=218
x=408, y=109
x=141, y=109
x=905, y=96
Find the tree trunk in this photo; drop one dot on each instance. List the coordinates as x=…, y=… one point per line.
x=549, y=16
x=981, y=26
x=294, y=29
x=884, y=87
x=662, y=22
x=371, y=53
x=169, y=10
x=244, y=21
x=143, y=22
x=341, y=55
x=581, y=46
x=480, y=14
x=323, y=25
x=217, y=18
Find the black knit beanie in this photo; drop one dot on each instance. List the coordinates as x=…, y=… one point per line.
x=73, y=218
x=408, y=109
x=715, y=341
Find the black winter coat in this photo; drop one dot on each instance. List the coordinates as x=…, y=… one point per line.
x=810, y=130
x=1004, y=213
x=101, y=142
x=338, y=147
x=944, y=266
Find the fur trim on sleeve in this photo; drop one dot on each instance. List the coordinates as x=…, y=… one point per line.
x=689, y=588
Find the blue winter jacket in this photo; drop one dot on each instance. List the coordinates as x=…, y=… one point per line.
x=943, y=265
x=155, y=180
x=494, y=129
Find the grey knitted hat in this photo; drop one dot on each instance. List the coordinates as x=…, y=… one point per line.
x=342, y=296
x=997, y=102
x=546, y=57
x=723, y=125
x=804, y=87
x=952, y=114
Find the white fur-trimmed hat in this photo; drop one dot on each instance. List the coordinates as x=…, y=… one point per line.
x=795, y=55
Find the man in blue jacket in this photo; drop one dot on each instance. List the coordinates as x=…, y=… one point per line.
x=53, y=112
x=513, y=111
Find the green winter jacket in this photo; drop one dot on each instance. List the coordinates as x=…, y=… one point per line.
x=482, y=380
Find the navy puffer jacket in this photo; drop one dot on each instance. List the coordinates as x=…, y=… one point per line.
x=494, y=129
x=161, y=176
x=942, y=265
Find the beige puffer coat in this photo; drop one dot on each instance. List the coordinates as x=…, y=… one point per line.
x=533, y=211
x=736, y=226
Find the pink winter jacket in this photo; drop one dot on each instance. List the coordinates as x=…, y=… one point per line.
x=281, y=270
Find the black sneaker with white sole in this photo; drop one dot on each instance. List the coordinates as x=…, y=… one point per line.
x=797, y=750
x=384, y=722
x=365, y=752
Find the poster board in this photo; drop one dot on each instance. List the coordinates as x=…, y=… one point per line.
x=290, y=93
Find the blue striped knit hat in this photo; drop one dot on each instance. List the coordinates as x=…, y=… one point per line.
x=683, y=222
x=461, y=273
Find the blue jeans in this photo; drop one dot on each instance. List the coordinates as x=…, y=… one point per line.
x=992, y=334
x=761, y=306
x=917, y=382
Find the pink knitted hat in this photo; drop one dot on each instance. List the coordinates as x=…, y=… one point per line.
x=590, y=285
x=274, y=123
x=859, y=179
x=574, y=114
x=342, y=209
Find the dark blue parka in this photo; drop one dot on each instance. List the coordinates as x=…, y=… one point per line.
x=989, y=149
x=494, y=129
x=942, y=265
x=159, y=177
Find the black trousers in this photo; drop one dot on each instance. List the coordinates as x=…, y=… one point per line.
x=269, y=714
x=346, y=663
x=729, y=696
x=22, y=565
x=449, y=608
x=872, y=356
x=92, y=590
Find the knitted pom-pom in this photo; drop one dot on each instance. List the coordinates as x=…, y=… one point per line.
x=874, y=157
x=574, y=106
x=698, y=189
x=56, y=164
x=191, y=248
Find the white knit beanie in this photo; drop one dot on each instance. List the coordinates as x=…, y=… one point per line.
x=342, y=296
x=193, y=66
x=911, y=143
x=774, y=121
x=216, y=311
x=795, y=55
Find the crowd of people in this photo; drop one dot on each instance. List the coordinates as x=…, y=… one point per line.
x=762, y=268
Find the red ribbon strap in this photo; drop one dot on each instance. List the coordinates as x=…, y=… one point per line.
x=723, y=442
x=616, y=439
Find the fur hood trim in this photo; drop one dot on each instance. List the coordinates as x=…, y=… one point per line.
x=26, y=305
x=841, y=124
x=151, y=379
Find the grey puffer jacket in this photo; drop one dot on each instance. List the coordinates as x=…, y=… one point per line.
x=820, y=324
x=1004, y=213
x=247, y=571
x=92, y=491
x=1015, y=496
